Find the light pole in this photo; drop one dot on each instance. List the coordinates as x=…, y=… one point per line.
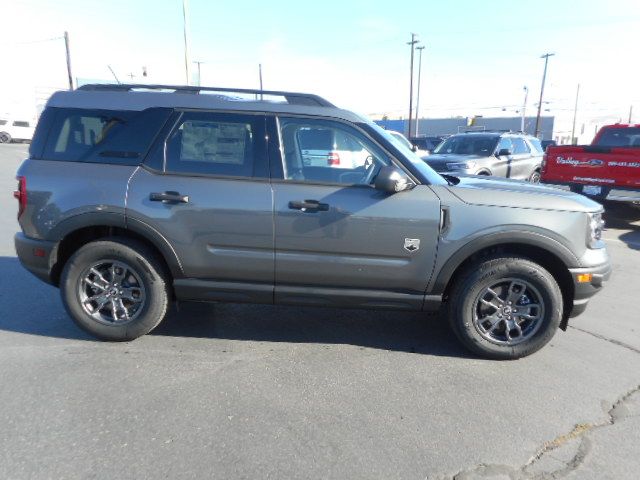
x=575, y=114
x=544, y=78
x=524, y=108
x=418, y=94
x=187, y=62
x=412, y=43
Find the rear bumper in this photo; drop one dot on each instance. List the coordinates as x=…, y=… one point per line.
x=37, y=256
x=583, y=291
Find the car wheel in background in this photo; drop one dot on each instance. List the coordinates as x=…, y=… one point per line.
x=5, y=137
x=505, y=307
x=535, y=177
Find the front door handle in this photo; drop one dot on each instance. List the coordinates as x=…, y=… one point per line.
x=169, y=197
x=308, y=205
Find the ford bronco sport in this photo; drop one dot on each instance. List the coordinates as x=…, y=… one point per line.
x=135, y=196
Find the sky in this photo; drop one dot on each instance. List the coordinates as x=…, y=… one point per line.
x=478, y=56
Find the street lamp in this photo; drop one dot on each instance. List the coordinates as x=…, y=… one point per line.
x=412, y=43
x=524, y=108
x=418, y=94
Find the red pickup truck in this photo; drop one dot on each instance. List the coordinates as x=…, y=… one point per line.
x=608, y=168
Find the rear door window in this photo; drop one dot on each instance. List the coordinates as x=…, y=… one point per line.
x=102, y=136
x=520, y=146
x=217, y=144
x=19, y=123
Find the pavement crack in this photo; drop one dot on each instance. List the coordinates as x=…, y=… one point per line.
x=607, y=339
x=543, y=465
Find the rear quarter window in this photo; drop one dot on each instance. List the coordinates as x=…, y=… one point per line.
x=101, y=136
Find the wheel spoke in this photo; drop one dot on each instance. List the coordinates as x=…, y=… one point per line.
x=526, y=314
x=124, y=309
x=100, y=276
x=489, y=304
x=93, y=284
x=495, y=295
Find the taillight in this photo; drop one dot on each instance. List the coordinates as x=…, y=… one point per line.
x=333, y=159
x=21, y=195
x=544, y=162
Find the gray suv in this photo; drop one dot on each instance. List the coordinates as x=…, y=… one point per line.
x=134, y=197
x=502, y=154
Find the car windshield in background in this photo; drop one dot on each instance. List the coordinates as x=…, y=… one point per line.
x=620, y=137
x=401, y=139
x=429, y=173
x=468, y=145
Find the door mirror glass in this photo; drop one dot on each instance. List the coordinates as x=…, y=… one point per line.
x=392, y=180
x=504, y=152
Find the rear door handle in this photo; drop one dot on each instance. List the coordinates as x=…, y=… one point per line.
x=169, y=197
x=308, y=205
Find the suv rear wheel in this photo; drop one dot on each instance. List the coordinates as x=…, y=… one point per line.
x=115, y=289
x=5, y=137
x=505, y=308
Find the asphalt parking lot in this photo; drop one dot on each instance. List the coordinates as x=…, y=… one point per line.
x=245, y=391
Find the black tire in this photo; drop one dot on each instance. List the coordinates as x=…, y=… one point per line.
x=5, y=137
x=148, y=270
x=462, y=305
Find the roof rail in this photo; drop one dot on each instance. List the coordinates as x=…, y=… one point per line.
x=291, y=97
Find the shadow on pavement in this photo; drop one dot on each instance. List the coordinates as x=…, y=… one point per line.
x=622, y=216
x=31, y=307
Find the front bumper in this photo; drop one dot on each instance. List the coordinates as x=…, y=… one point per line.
x=584, y=290
x=37, y=256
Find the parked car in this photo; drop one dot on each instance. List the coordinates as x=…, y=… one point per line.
x=609, y=168
x=428, y=144
x=15, y=131
x=325, y=146
x=400, y=137
x=132, y=199
x=501, y=154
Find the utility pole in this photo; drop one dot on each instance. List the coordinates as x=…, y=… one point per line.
x=418, y=94
x=187, y=62
x=575, y=114
x=544, y=78
x=199, y=77
x=412, y=43
x=260, y=75
x=630, y=112
x=66, y=46
x=524, y=109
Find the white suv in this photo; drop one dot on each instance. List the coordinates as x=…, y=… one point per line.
x=18, y=130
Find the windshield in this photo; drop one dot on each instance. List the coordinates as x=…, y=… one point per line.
x=481, y=145
x=425, y=170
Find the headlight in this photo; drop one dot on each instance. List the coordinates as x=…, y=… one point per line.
x=594, y=230
x=461, y=165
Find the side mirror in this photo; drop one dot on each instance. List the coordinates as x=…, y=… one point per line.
x=392, y=180
x=504, y=152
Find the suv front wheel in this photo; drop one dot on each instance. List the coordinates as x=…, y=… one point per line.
x=115, y=289
x=505, y=307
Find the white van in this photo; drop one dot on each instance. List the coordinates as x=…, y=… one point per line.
x=16, y=130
